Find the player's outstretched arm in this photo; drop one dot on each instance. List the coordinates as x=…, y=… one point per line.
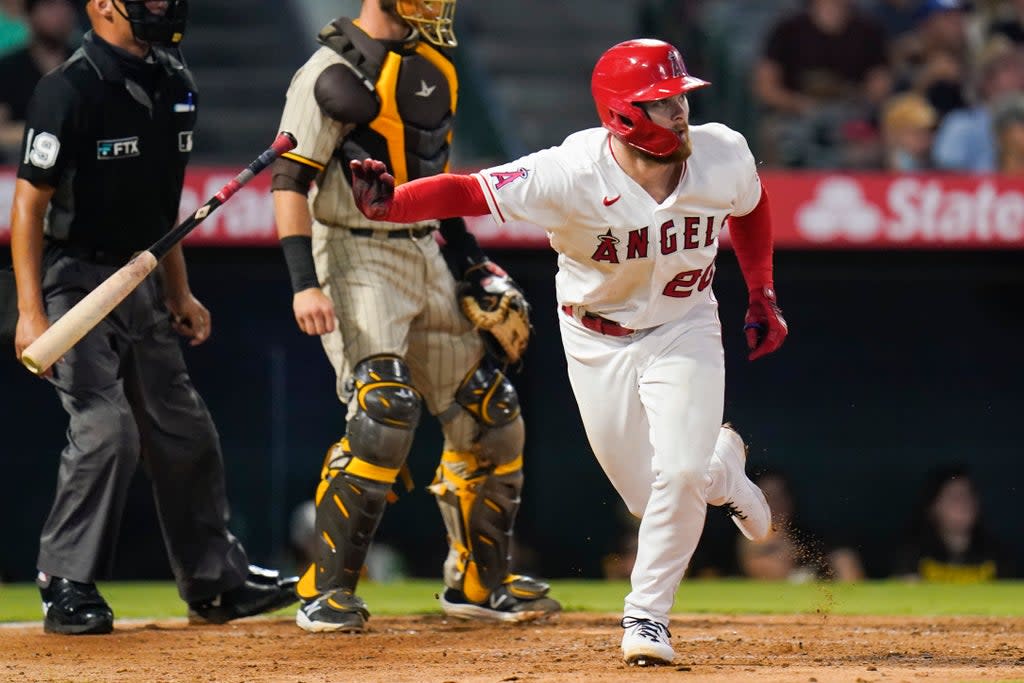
x=764, y=326
x=447, y=195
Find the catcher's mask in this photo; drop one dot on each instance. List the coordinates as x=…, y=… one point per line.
x=165, y=29
x=434, y=19
x=638, y=71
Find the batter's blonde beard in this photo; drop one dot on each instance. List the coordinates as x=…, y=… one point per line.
x=678, y=156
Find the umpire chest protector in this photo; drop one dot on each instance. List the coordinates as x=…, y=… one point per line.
x=401, y=96
x=113, y=135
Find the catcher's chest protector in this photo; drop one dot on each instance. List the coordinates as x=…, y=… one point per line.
x=415, y=87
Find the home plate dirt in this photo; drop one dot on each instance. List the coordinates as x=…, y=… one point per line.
x=575, y=647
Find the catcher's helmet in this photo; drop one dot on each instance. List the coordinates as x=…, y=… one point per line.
x=165, y=29
x=434, y=19
x=639, y=71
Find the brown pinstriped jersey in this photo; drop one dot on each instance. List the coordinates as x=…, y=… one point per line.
x=405, y=121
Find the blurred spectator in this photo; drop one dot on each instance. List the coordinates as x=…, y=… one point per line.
x=13, y=27
x=1008, y=121
x=965, y=140
x=792, y=552
x=897, y=17
x=1008, y=22
x=821, y=69
x=934, y=58
x=947, y=539
x=908, y=125
x=52, y=24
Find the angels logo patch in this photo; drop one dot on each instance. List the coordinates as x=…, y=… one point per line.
x=503, y=178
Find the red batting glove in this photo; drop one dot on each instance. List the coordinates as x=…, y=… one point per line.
x=373, y=188
x=764, y=325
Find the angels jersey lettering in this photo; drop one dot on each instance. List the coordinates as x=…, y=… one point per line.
x=621, y=254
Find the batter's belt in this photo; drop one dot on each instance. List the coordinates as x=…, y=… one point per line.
x=598, y=324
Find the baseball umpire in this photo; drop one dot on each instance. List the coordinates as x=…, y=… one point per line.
x=384, y=85
x=107, y=138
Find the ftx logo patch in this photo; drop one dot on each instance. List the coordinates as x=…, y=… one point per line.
x=121, y=148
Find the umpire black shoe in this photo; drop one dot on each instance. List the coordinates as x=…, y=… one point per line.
x=336, y=612
x=264, y=590
x=73, y=608
x=520, y=598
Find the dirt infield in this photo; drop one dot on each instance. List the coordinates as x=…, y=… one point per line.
x=576, y=647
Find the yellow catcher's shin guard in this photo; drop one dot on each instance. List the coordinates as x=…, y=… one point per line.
x=350, y=501
x=478, y=503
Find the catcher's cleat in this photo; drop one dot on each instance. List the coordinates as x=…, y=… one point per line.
x=334, y=612
x=519, y=599
x=73, y=608
x=646, y=642
x=264, y=590
x=745, y=502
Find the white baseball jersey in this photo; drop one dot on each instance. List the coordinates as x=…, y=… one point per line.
x=652, y=401
x=621, y=254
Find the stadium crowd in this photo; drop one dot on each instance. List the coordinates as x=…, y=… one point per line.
x=899, y=85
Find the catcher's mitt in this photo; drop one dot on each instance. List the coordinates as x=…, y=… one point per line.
x=492, y=301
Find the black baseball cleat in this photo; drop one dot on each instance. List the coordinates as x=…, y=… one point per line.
x=336, y=612
x=520, y=598
x=73, y=608
x=264, y=590
x=271, y=577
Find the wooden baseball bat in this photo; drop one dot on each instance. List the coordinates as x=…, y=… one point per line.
x=67, y=330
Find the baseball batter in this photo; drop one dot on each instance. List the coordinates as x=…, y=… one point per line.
x=634, y=210
x=384, y=85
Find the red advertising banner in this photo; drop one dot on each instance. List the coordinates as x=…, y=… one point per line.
x=810, y=211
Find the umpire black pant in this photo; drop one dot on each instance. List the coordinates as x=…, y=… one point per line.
x=128, y=394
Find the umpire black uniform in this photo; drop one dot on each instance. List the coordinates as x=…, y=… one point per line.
x=111, y=132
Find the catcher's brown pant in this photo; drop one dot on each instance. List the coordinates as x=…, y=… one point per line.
x=395, y=295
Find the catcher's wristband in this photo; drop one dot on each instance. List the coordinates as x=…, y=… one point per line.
x=298, y=254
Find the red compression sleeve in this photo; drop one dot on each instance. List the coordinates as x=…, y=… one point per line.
x=441, y=196
x=752, y=242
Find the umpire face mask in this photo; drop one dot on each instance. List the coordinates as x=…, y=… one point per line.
x=156, y=22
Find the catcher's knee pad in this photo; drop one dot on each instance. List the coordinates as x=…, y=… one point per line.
x=386, y=411
x=495, y=433
x=359, y=471
x=479, y=504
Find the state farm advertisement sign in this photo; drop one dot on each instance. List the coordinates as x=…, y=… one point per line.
x=888, y=211
x=810, y=211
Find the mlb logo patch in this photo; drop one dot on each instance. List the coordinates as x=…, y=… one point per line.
x=185, y=141
x=120, y=148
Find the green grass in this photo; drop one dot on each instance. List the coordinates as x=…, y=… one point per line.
x=20, y=602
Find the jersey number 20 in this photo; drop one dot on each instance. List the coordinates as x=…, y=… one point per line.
x=682, y=285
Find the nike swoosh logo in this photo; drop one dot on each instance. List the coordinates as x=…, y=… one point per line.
x=608, y=201
x=425, y=90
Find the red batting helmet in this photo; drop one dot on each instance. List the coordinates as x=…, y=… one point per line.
x=639, y=71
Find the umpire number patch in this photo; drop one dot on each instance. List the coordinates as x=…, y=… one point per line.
x=185, y=141
x=42, y=149
x=120, y=148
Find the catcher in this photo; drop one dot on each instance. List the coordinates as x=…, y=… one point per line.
x=402, y=321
